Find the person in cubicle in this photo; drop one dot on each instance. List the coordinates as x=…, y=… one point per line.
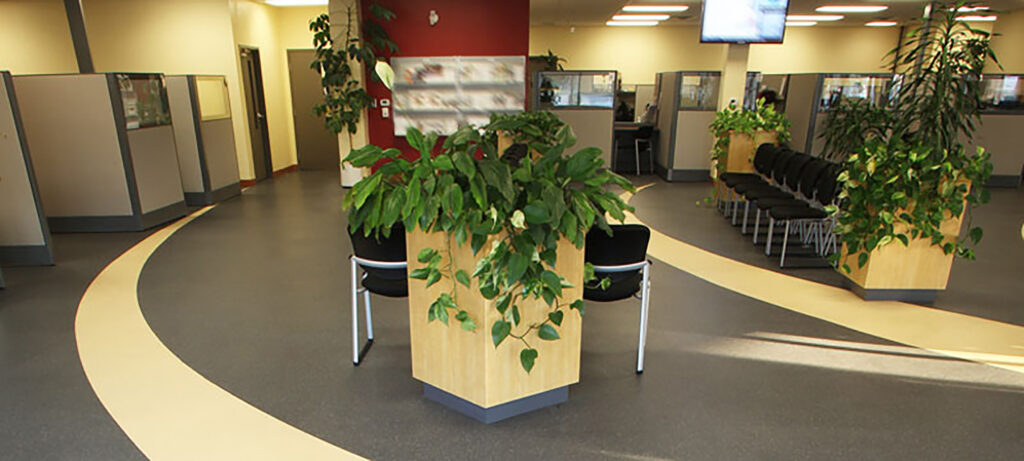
x=650, y=114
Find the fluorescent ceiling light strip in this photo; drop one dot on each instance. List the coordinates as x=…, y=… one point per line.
x=814, y=17
x=655, y=8
x=977, y=18
x=881, y=23
x=970, y=9
x=631, y=23
x=800, y=23
x=640, y=17
x=297, y=2
x=851, y=8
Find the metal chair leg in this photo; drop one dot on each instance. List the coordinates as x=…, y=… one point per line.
x=369, y=316
x=757, y=225
x=746, y=212
x=768, y=243
x=636, y=151
x=355, y=314
x=785, y=240
x=645, y=300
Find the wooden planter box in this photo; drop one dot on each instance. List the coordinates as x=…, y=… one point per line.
x=913, y=273
x=462, y=369
x=742, y=148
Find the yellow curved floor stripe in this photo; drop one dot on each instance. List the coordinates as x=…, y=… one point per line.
x=970, y=338
x=166, y=408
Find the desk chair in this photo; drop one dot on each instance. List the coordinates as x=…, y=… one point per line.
x=644, y=135
x=384, y=273
x=622, y=258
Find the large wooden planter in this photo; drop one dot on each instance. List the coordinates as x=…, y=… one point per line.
x=743, y=146
x=913, y=273
x=463, y=370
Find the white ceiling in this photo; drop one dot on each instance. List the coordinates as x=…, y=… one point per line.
x=596, y=12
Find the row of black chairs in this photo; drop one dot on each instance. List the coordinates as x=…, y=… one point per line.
x=789, y=187
x=620, y=257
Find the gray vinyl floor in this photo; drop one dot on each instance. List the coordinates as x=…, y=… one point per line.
x=254, y=294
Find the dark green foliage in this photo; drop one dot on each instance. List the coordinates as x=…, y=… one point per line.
x=513, y=216
x=344, y=97
x=734, y=119
x=851, y=124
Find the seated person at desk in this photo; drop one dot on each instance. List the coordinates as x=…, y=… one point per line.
x=650, y=113
x=623, y=113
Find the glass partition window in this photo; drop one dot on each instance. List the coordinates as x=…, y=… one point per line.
x=144, y=97
x=698, y=90
x=212, y=94
x=874, y=88
x=1002, y=92
x=577, y=89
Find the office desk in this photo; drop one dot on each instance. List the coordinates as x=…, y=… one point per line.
x=625, y=134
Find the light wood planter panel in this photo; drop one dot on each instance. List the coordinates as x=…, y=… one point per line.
x=742, y=147
x=466, y=364
x=918, y=266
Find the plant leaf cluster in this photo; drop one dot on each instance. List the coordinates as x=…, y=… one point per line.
x=345, y=99
x=912, y=171
x=734, y=119
x=851, y=123
x=512, y=216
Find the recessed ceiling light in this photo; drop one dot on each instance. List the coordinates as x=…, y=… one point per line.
x=296, y=2
x=881, y=23
x=800, y=23
x=851, y=8
x=640, y=17
x=655, y=8
x=631, y=23
x=977, y=18
x=814, y=17
x=970, y=9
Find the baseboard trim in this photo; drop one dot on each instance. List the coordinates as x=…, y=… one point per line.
x=889, y=294
x=65, y=224
x=163, y=215
x=1004, y=180
x=497, y=412
x=26, y=255
x=209, y=198
x=226, y=192
x=286, y=170
x=682, y=175
x=197, y=198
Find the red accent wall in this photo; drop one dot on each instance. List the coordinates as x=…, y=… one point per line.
x=465, y=28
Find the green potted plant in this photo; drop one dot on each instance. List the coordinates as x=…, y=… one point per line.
x=497, y=242
x=850, y=124
x=738, y=132
x=915, y=182
x=345, y=98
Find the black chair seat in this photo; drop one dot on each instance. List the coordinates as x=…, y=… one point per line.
x=393, y=287
x=624, y=285
x=732, y=179
x=796, y=212
x=765, y=193
x=769, y=203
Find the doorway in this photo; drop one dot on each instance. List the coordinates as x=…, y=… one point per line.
x=252, y=76
x=315, y=145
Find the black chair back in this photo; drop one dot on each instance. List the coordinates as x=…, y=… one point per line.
x=793, y=170
x=388, y=282
x=765, y=157
x=626, y=245
x=827, y=186
x=782, y=160
x=645, y=132
x=810, y=176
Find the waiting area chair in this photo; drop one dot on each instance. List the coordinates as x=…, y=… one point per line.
x=622, y=258
x=384, y=273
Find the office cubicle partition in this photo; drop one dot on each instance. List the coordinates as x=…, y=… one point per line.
x=204, y=137
x=24, y=234
x=585, y=100
x=687, y=102
x=808, y=98
x=1002, y=119
x=103, y=150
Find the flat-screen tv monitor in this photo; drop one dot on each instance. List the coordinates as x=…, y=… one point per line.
x=743, y=21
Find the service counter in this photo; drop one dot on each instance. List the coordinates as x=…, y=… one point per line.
x=204, y=137
x=103, y=150
x=24, y=234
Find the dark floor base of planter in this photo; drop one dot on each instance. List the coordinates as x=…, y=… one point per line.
x=499, y=412
x=908, y=296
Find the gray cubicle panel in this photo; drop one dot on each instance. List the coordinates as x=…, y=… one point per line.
x=594, y=127
x=684, y=136
x=993, y=133
x=96, y=174
x=802, y=94
x=590, y=112
x=24, y=234
x=204, y=137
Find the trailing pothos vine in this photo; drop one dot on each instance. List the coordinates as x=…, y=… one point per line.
x=733, y=119
x=345, y=99
x=916, y=173
x=512, y=211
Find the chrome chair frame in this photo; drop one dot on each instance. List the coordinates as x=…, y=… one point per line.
x=645, y=301
x=357, y=353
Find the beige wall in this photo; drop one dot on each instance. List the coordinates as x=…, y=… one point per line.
x=1008, y=46
x=34, y=38
x=639, y=53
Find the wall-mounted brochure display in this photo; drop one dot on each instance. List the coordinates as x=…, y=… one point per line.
x=1002, y=92
x=144, y=97
x=212, y=94
x=568, y=89
x=438, y=94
